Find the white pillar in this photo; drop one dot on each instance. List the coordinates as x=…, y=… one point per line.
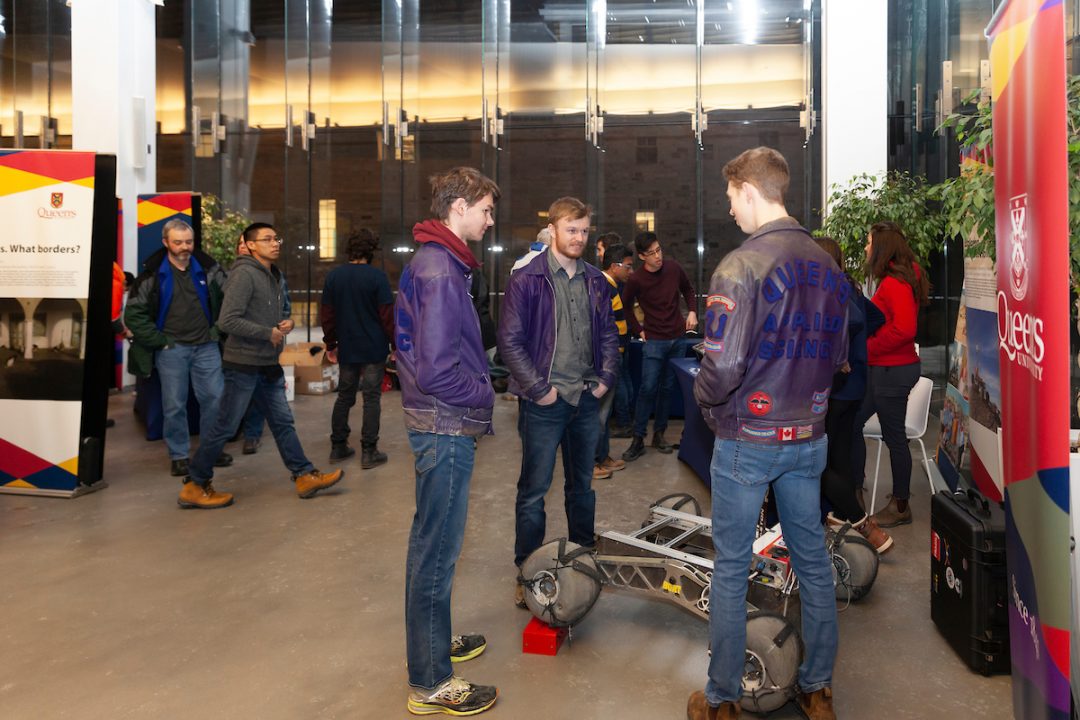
x=113, y=86
x=855, y=77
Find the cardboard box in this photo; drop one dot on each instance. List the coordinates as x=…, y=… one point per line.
x=302, y=354
x=316, y=379
x=314, y=374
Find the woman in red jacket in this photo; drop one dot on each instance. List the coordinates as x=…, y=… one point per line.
x=894, y=364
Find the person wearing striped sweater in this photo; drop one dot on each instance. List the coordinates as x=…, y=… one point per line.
x=618, y=262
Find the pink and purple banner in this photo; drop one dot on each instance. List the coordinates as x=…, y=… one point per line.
x=1027, y=55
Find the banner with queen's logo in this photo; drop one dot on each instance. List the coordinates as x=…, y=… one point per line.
x=47, y=203
x=1027, y=55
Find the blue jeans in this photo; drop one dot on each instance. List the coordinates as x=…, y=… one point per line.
x=268, y=395
x=254, y=422
x=603, y=443
x=623, y=391
x=657, y=382
x=175, y=366
x=444, y=465
x=741, y=472
x=544, y=428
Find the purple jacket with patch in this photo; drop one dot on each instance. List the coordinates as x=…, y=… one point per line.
x=445, y=387
x=527, y=328
x=775, y=333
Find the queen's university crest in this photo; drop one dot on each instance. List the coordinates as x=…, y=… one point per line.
x=57, y=200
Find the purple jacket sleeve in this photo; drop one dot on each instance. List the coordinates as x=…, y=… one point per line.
x=609, y=338
x=438, y=332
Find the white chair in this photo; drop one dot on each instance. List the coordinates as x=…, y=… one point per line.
x=918, y=415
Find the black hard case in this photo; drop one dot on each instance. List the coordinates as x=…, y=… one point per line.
x=968, y=586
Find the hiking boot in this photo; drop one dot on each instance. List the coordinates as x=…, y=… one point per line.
x=622, y=431
x=223, y=460
x=179, y=467
x=310, y=483
x=697, y=708
x=891, y=515
x=661, y=444
x=455, y=696
x=817, y=705
x=610, y=463
x=519, y=594
x=194, y=495
x=371, y=457
x=341, y=452
x=599, y=472
x=466, y=647
x=866, y=527
x=251, y=445
x=636, y=449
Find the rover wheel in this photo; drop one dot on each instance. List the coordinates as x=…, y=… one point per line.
x=773, y=655
x=561, y=582
x=855, y=566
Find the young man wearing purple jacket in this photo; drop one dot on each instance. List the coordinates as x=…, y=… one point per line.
x=557, y=337
x=775, y=333
x=447, y=397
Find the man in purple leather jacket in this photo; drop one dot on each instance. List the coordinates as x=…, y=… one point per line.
x=447, y=398
x=775, y=333
x=557, y=337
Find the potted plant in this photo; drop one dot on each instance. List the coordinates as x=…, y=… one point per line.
x=221, y=228
x=967, y=201
x=867, y=199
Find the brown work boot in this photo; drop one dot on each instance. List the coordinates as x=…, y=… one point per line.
x=697, y=708
x=195, y=496
x=877, y=537
x=817, y=705
x=866, y=527
x=310, y=483
x=600, y=473
x=897, y=512
x=610, y=463
x=519, y=594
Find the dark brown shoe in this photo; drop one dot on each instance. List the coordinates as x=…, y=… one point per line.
x=310, y=483
x=195, y=496
x=891, y=515
x=697, y=708
x=661, y=444
x=817, y=705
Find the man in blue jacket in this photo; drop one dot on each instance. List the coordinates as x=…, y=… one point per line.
x=775, y=333
x=557, y=337
x=447, y=397
x=171, y=313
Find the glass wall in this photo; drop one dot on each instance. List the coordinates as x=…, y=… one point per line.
x=35, y=74
x=324, y=117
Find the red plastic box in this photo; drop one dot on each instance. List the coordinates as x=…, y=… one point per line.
x=541, y=639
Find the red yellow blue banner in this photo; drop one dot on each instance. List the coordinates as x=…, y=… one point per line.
x=47, y=205
x=1027, y=56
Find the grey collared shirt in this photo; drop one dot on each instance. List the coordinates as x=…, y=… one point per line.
x=572, y=365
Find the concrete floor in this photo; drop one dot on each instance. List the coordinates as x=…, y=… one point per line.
x=119, y=605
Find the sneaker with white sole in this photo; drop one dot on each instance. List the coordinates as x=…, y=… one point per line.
x=466, y=647
x=455, y=696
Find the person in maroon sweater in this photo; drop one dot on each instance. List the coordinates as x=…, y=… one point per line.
x=657, y=287
x=894, y=364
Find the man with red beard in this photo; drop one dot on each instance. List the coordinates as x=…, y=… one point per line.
x=557, y=337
